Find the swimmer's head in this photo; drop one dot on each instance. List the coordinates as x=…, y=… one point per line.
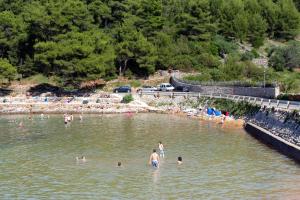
x=154, y=150
x=119, y=164
x=179, y=159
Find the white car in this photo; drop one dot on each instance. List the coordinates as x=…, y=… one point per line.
x=147, y=88
x=166, y=87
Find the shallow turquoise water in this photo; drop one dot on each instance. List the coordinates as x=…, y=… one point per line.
x=38, y=160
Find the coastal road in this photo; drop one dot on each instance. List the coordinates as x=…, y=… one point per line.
x=280, y=104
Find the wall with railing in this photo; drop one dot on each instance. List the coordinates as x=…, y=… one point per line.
x=279, y=104
x=265, y=92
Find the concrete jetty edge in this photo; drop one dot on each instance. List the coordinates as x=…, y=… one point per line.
x=279, y=144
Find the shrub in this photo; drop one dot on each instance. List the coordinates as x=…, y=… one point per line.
x=285, y=57
x=127, y=98
x=248, y=55
x=224, y=46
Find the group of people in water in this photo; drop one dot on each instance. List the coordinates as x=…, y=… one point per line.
x=154, y=159
x=68, y=118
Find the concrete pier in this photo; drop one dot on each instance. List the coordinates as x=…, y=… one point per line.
x=281, y=145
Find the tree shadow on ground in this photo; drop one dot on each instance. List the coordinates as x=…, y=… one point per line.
x=45, y=88
x=5, y=92
x=51, y=90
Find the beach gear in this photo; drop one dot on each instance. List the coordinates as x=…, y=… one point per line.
x=210, y=111
x=217, y=113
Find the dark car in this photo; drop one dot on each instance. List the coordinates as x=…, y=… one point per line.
x=182, y=89
x=126, y=89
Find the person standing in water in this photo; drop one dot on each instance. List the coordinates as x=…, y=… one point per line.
x=179, y=160
x=161, y=150
x=154, y=159
x=66, y=119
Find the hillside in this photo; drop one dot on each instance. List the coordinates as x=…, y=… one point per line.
x=78, y=40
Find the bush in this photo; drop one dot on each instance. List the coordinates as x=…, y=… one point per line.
x=127, y=98
x=285, y=57
x=224, y=46
x=255, y=53
x=248, y=55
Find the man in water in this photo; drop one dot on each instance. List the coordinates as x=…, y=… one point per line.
x=154, y=159
x=161, y=150
x=66, y=119
x=179, y=160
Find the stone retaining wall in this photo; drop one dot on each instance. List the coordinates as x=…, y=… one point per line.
x=274, y=141
x=269, y=92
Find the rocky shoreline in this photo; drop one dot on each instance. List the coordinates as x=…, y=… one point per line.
x=280, y=123
x=92, y=105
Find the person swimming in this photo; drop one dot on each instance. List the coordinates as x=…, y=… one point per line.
x=119, y=164
x=82, y=159
x=161, y=150
x=179, y=160
x=154, y=159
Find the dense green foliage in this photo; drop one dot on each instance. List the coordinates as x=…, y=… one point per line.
x=287, y=57
x=238, y=109
x=127, y=98
x=7, y=71
x=232, y=70
x=77, y=40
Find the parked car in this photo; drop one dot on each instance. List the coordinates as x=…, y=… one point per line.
x=122, y=89
x=182, y=89
x=166, y=87
x=147, y=88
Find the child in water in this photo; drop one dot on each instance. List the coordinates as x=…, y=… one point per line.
x=161, y=150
